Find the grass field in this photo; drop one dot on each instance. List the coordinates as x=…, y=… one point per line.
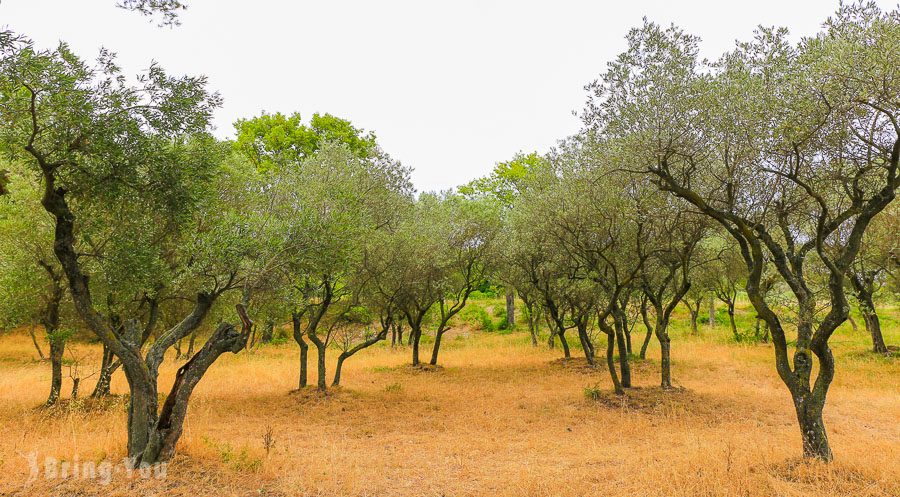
x=500, y=419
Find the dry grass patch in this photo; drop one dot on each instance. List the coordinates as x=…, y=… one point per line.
x=500, y=418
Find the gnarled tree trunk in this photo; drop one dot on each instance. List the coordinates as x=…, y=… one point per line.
x=163, y=435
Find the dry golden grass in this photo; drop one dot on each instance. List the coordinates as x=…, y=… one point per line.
x=500, y=419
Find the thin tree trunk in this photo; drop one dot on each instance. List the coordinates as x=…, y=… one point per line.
x=649, y=328
x=414, y=335
x=665, y=363
x=304, y=350
x=57, y=348
x=852, y=323
x=349, y=353
x=565, y=344
x=322, y=381
x=734, y=330
x=337, y=370
x=532, y=322
x=712, y=313
x=586, y=344
x=108, y=366
x=695, y=315
x=510, y=308
x=624, y=365
x=611, y=363
x=437, y=346
x=551, y=340
x=190, y=351
x=51, y=327
x=863, y=288
x=532, y=329
x=35, y=342
x=873, y=324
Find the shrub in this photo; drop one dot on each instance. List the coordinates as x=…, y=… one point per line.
x=477, y=316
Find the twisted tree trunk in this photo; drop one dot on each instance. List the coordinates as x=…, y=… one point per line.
x=151, y=437
x=165, y=432
x=649, y=328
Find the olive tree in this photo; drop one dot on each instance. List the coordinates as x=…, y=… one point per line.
x=729, y=276
x=330, y=188
x=670, y=245
x=32, y=286
x=877, y=260
x=533, y=257
x=470, y=228
x=102, y=145
x=332, y=202
x=504, y=184
x=793, y=150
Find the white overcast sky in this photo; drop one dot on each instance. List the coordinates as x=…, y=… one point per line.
x=449, y=87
